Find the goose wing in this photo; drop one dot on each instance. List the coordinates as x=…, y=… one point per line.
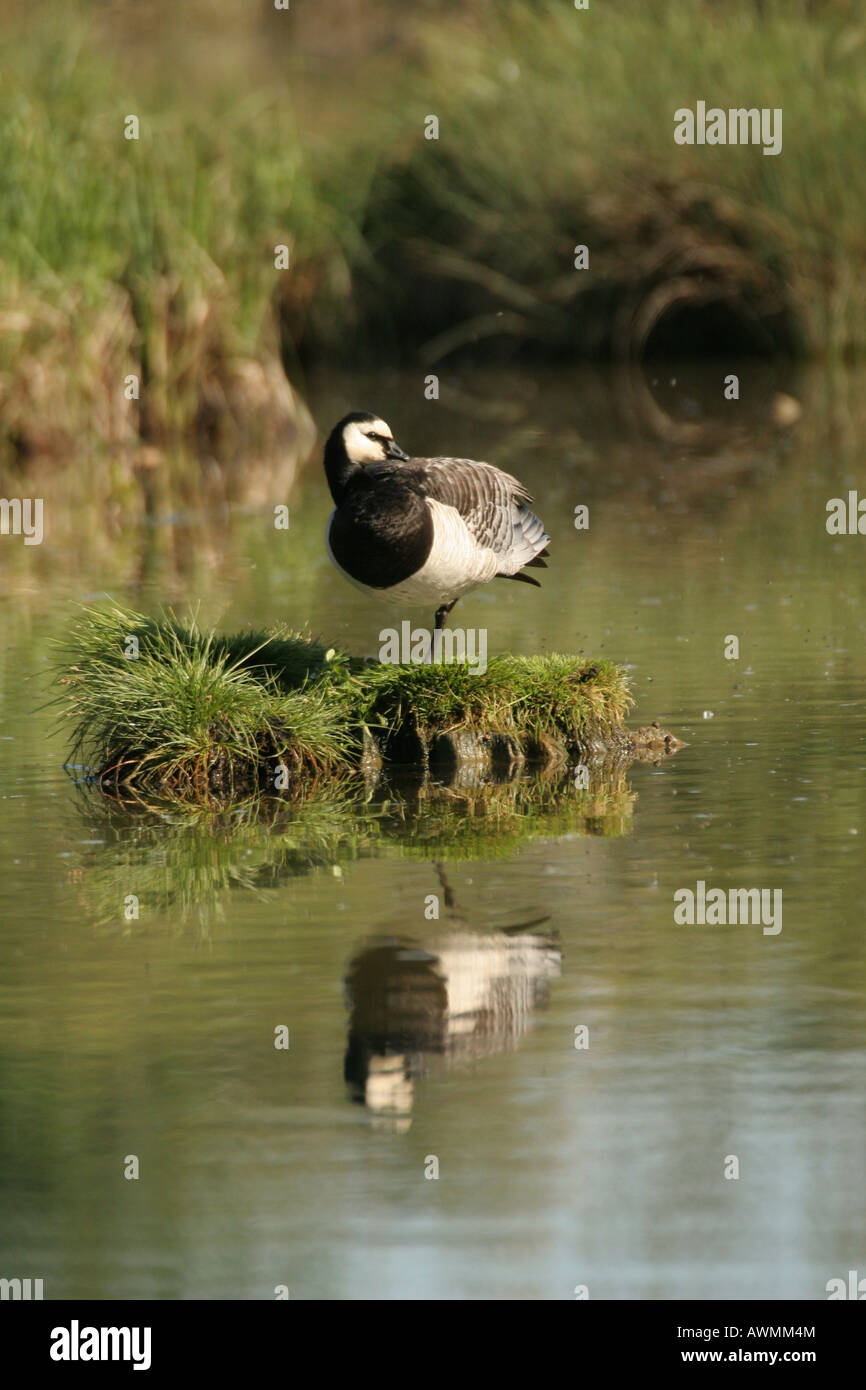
x=494, y=505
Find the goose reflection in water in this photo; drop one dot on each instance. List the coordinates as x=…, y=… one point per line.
x=457, y=996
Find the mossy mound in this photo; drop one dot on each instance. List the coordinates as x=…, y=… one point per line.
x=538, y=709
x=168, y=709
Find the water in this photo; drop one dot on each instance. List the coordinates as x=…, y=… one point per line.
x=558, y=1166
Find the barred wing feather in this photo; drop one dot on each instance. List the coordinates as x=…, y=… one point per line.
x=494, y=505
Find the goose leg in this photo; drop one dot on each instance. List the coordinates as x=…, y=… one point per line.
x=442, y=614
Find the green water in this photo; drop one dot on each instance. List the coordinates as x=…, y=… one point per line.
x=558, y=1166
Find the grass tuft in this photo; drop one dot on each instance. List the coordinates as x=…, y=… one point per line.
x=182, y=710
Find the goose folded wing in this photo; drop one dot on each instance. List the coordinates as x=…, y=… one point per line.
x=494, y=505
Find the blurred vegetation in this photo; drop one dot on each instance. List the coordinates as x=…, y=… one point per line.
x=151, y=256
x=556, y=129
x=305, y=128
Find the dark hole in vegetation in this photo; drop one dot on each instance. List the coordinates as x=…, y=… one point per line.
x=715, y=329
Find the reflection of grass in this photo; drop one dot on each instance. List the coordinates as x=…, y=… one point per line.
x=491, y=822
x=188, y=860
x=192, y=715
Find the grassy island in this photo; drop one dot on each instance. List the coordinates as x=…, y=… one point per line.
x=168, y=709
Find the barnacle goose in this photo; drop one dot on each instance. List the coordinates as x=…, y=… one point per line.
x=423, y=530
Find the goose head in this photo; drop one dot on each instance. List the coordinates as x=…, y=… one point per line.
x=368, y=439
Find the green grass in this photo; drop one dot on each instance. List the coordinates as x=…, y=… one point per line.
x=198, y=715
x=167, y=709
x=153, y=256
x=536, y=698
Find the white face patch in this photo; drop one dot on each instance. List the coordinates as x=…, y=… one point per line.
x=361, y=449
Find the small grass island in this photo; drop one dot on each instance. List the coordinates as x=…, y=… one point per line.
x=170, y=710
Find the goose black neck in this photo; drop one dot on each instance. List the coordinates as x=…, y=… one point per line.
x=339, y=468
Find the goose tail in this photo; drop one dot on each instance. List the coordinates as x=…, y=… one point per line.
x=528, y=548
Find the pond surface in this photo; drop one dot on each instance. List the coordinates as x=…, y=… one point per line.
x=412, y=1038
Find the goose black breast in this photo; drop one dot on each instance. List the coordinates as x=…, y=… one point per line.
x=382, y=531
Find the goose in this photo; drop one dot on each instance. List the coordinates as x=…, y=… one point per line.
x=423, y=530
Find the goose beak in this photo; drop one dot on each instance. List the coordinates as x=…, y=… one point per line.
x=394, y=451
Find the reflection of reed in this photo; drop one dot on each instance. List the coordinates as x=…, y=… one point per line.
x=461, y=996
